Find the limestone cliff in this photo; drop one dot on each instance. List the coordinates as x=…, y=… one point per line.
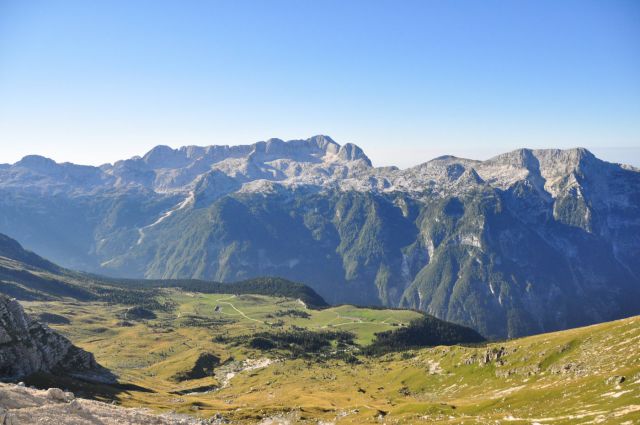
x=28, y=346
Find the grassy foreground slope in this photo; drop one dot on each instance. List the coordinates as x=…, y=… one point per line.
x=198, y=358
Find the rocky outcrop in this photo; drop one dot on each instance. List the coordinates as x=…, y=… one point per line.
x=27, y=346
x=25, y=406
x=493, y=355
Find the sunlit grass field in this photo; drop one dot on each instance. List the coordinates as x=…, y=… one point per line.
x=565, y=377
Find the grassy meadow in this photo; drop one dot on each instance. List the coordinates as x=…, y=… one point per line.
x=195, y=358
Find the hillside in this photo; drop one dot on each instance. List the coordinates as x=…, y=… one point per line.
x=27, y=276
x=489, y=244
x=257, y=359
x=251, y=358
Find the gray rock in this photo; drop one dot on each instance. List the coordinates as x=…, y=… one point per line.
x=9, y=419
x=29, y=346
x=615, y=380
x=27, y=406
x=75, y=405
x=56, y=394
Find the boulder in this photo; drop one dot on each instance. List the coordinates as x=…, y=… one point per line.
x=56, y=394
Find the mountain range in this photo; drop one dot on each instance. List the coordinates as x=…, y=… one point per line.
x=526, y=242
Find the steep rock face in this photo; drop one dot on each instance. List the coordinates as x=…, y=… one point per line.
x=27, y=346
x=528, y=241
x=491, y=269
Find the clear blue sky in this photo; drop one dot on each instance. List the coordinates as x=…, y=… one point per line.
x=96, y=81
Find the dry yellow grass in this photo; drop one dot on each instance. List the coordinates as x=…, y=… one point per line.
x=558, y=378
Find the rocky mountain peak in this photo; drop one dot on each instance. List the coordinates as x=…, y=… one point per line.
x=446, y=159
x=543, y=167
x=317, y=161
x=325, y=143
x=351, y=152
x=519, y=158
x=165, y=157
x=550, y=158
x=311, y=149
x=564, y=159
x=305, y=150
x=37, y=163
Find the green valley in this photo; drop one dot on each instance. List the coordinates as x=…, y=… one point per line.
x=197, y=357
x=271, y=351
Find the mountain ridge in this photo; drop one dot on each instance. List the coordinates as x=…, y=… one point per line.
x=486, y=244
x=315, y=149
x=322, y=142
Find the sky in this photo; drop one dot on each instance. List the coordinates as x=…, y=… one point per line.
x=96, y=81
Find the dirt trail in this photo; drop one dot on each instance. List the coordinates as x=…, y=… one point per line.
x=220, y=301
x=354, y=321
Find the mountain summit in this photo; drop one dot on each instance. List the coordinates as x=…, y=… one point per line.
x=493, y=244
